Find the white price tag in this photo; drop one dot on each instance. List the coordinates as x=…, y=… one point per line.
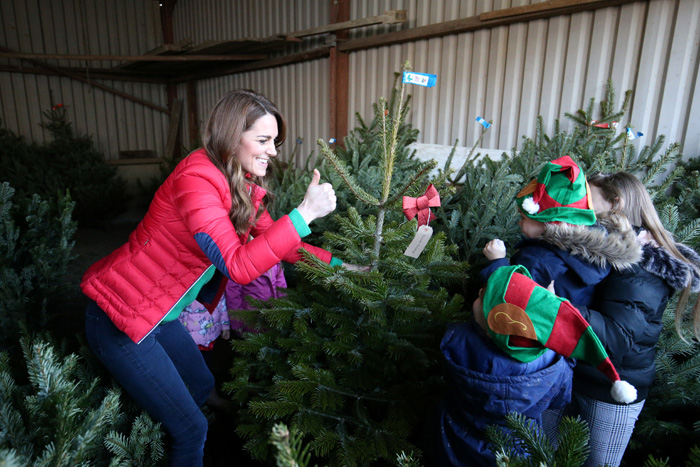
x=419, y=241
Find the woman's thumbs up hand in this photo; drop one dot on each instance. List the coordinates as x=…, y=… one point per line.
x=319, y=199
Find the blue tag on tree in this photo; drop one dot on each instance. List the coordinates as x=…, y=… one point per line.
x=421, y=79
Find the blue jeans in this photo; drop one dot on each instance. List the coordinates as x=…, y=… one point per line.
x=165, y=374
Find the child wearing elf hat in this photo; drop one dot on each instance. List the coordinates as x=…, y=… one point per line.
x=524, y=319
x=512, y=359
x=627, y=314
x=565, y=241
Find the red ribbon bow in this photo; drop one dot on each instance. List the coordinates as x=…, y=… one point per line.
x=421, y=206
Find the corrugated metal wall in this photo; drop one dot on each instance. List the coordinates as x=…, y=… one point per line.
x=509, y=74
x=300, y=90
x=512, y=74
x=223, y=20
x=85, y=27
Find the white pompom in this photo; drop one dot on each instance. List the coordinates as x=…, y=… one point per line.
x=622, y=391
x=530, y=206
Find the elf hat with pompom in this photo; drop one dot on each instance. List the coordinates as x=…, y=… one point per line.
x=524, y=319
x=560, y=193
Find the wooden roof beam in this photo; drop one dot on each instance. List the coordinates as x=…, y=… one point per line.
x=548, y=6
x=485, y=20
x=136, y=58
x=92, y=83
x=388, y=17
x=321, y=52
x=89, y=73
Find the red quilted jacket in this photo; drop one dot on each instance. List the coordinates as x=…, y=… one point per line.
x=185, y=234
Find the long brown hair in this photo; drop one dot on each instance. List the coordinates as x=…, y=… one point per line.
x=235, y=113
x=627, y=193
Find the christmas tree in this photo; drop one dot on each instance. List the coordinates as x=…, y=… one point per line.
x=361, y=154
x=351, y=359
x=54, y=408
x=69, y=162
x=36, y=244
x=63, y=416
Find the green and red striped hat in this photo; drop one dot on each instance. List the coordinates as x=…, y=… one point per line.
x=560, y=193
x=525, y=319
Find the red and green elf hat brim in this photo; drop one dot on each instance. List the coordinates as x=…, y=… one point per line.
x=525, y=319
x=559, y=194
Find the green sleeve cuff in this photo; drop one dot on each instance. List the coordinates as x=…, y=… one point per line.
x=336, y=261
x=299, y=223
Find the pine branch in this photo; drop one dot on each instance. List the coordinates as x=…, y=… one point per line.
x=407, y=460
x=573, y=448
x=654, y=462
x=341, y=169
x=290, y=450
x=468, y=160
x=534, y=441
x=417, y=177
x=389, y=156
x=689, y=234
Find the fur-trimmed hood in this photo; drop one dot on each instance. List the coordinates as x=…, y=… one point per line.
x=658, y=261
x=611, y=241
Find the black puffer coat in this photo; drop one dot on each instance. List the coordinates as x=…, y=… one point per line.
x=575, y=257
x=626, y=316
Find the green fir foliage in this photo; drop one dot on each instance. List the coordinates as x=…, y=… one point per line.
x=351, y=358
x=54, y=410
x=292, y=452
x=522, y=443
x=61, y=415
x=36, y=243
x=356, y=168
x=686, y=189
x=483, y=204
x=143, y=446
x=482, y=207
x=68, y=162
x=669, y=425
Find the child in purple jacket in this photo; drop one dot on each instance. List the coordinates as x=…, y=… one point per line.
x=206, y=326
x=263, y=288
x=205, y=323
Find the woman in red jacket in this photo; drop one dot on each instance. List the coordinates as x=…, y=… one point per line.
x=195, y=232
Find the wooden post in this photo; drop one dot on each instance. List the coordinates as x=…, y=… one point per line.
x=172, y=146
x=339, y=74
x=175, y=140
x=166, y=20
x=192, y=115
x=166, y=24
